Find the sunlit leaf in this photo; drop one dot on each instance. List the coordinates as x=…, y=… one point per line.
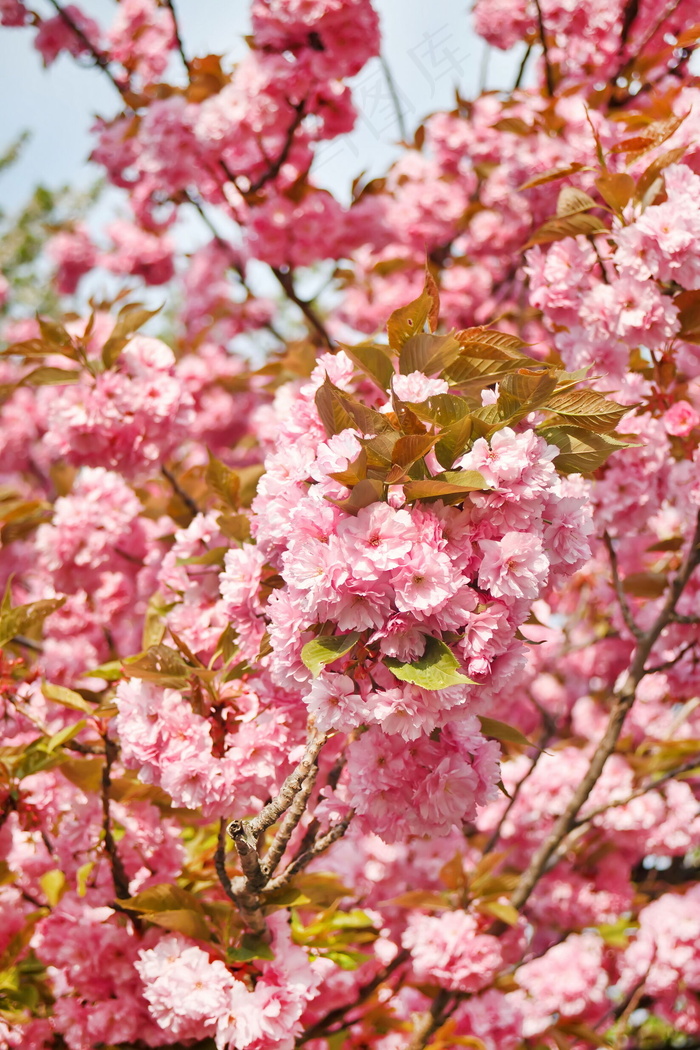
x=323, y=650
x=437, y=668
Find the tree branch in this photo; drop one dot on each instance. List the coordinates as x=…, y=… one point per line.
x=286, y=282
x=623, y=702
x=100, y=59
x=179, y=491
x=630, y=623
x=549, y=72
x=119, y=876
x=289, y=824
x=170, y=4
x=302, y=859
x=391, y=84
x=320, y=1027
x=276, y=165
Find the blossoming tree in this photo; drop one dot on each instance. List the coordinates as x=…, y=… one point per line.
x=351, y=698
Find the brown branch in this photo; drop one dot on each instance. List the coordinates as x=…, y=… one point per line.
x=686, y=767
x=496, y=834
x=436, y=1016
x=179, y=491
x=119, y=876
x=100, y=59
x=664, y=666
x=287, y=827
x=303, y=859
x=623, y=702
x=247, y=891
x=627, y=616
x=320, y=1027
x=549, y=72
x=178, y=38
x=396, y=102
x=220, y=863
x=521, y=69
x=276, y=165
x=274, y=809
x=286, y=282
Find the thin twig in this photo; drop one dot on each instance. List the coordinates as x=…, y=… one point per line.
x=276, y=165
x=228, y=248
x=673, y=661
x=101, y=59
x=179, y=491
x=119, y=876
x=70, y=745
x=496, y=834
x=27, y=643
x=623, y=702
x=286, y=282
x=320, y=1027
x=549, y=72
x=686, y=767
x=521, y=69
x=303, y=859
x=178, y=37
x=287, y=827
x=627, y=616
x=396, y=101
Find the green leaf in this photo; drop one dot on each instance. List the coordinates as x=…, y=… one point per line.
x=581, y=450
x=129, y=319
x=48, y=376
x=25, y=617
x=347, y=960
x=410, y=320
x=190, y=923
x=572, y=226
x=223, y=481
x=163, y=897
x=428, y=353
x=82, y=875
x=437, y=668
x=503, y=732
x=373, y=361
x=53, y=883
x=63, y=736
x=159, y=664
x=67, y=697
x=452, y=485
x=110, y=672
x=251, y=947
x=453, y=441
x=587, y=409
x=441, y=409
x=500, y=910
x=325, y=649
